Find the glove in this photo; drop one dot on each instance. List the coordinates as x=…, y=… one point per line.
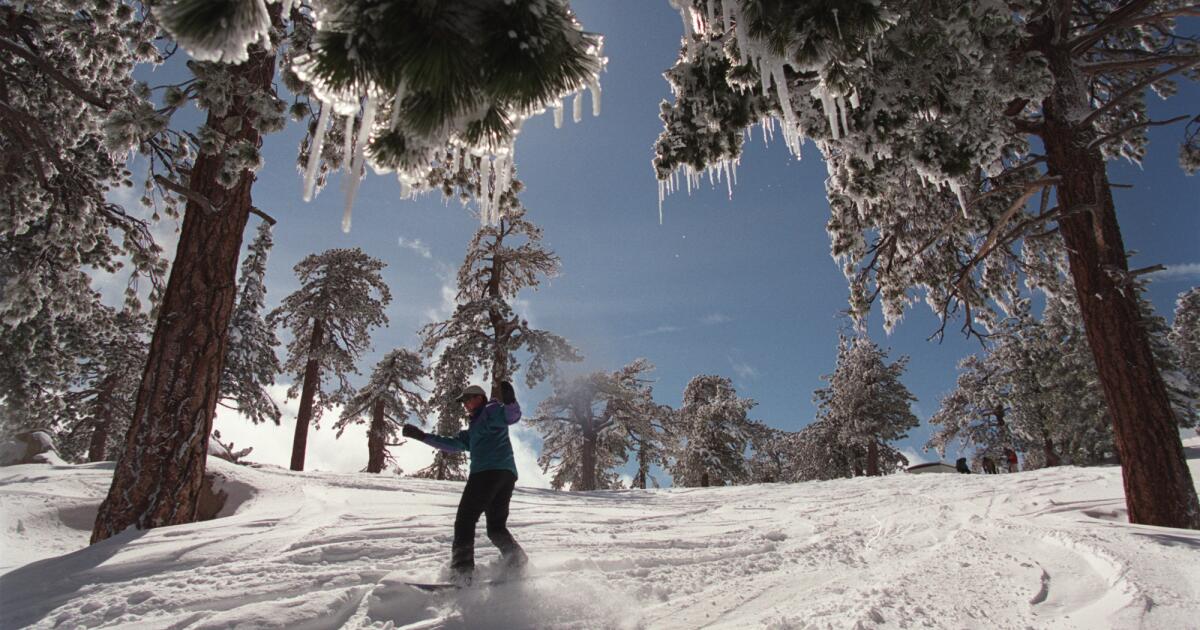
x=507, y=395
x=409, y=431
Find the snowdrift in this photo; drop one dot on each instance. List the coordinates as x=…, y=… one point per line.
x=1045, y=549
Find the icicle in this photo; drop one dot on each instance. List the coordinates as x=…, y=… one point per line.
x=726, y=15
x=558, y=114
x=314, y=153
x=791, y=126
x=348, y=141
x=841, y=107
x=740, y=32
x=577, y=109
x=485, y=191
x=827, y=104
x=837, y=23
x=662, y=190
x=854, y=99
x=712, y=15
x=958, y=192
x=766, y=78
x=728, y=177
x=396, y=102
x=595, y=88
x=360, y=147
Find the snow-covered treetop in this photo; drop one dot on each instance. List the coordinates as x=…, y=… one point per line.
x=1185, y=335
x=394, y=384
x=342, y=292
x=865, y=397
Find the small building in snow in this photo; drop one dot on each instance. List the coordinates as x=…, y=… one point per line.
x=933, y=467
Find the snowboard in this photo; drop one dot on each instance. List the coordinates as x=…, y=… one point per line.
x=438, y=587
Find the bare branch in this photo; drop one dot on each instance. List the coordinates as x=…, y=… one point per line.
x=1137, y=87
x=1120, y=132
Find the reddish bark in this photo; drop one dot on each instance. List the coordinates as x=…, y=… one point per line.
x=1158, y=485
x=376, y=444
x=158, y=476
x=312, y=376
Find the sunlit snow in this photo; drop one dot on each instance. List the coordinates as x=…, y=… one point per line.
x=1042, y=549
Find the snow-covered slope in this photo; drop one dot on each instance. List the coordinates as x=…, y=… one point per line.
x=1046, y=549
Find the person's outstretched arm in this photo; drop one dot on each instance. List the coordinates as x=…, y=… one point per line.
x=456, y=444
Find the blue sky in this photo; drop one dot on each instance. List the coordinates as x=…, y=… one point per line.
x=741, y=287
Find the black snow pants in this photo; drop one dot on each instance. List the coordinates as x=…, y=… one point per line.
x=487, y=492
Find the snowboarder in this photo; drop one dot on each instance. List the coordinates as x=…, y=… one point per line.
x=490, y=483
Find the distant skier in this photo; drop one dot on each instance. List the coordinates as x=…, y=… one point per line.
x=491, y=481
x=961, y=466
x=989, y=466
x=1011, y=456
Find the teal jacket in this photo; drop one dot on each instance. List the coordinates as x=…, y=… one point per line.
x=486, y=439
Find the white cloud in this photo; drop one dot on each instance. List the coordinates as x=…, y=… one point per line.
x=744, y=370
x=661, y=330
x=1181, y=271
x=915, y=458
x=417, y=246
x=324, y=450
x=715, y=318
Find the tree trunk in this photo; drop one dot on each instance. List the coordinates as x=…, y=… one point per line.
x=1158, y=486
x=102, y=423
x=376, y=444
x=587, y=472
x=160, y=470
x=872, y=458
x=1048, y=451
x=312, y=375
x=639, y=480
x=704, y=480
x=501, y=330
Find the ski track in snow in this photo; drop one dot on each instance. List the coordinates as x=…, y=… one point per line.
x=1045, y=549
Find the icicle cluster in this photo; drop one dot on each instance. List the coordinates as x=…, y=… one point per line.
x=405, y=118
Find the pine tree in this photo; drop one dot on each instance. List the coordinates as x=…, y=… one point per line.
x=774, y=456
x=450, y=377
x=100, y=402
x=388, y=399
x=159, y=476
x=939, y=122
x=235, y=48
x=484, y=331
x=710, y=434
x=250, y=361
x=867, y=403
x=590, y=423
x=341, y=298
x=1185, y=338
x=68, y=92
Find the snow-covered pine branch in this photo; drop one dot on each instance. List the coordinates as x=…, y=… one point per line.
x=65, y=139
x=250, y=361
x=411, y=86
x=936, y=119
